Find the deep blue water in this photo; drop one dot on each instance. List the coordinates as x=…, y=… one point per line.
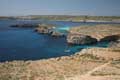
x=25, y=44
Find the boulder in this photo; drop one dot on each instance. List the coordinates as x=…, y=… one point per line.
x=80, y=39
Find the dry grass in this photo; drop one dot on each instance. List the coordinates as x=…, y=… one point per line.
x=112, y=69
x=105, y=53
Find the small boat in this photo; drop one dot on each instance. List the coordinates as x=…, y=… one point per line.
x=67, y=50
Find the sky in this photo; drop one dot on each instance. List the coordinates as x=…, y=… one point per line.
x=60, y=7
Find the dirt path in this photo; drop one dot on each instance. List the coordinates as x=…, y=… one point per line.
x=88, y=76
x=97, y=68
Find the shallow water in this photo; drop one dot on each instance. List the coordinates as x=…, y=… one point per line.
x=25, y=44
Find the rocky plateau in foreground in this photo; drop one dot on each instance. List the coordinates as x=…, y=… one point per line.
x=89, y=64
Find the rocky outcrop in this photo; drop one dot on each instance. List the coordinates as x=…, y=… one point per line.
x=100, y=32
x=80, y=39
x=48, y=29
x=24, y=25
x=115, y=44
x=44, y=29
x=111, y=38
x=57, y=34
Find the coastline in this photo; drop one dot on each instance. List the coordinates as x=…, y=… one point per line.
x=88, y=64
x=66, y=67
x=100, y=21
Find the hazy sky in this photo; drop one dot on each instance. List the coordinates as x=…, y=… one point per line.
x=60, y=7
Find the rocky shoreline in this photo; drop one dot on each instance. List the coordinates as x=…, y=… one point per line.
x=93, y=34
x=24, y=25
x=67, y=67
x=88, y=64
x=42, y=29
x=48, y=29
x=80, y=39
x=115, y=44
x=80, y=35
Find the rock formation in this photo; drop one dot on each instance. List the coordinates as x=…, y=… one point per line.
x=44, y=29
x=80, y=39
x=100, y=32
x=111, y=38
x=24, y=25
x=57, y=34
x=115, y=44
x=48, y=29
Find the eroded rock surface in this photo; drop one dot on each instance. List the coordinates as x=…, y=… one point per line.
x=80, y=39
x=100, y=32
x=115, y=44
x=57, y=34
x=44, y=29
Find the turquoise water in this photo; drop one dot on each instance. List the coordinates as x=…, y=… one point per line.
x=65, y=28
x=25, y=44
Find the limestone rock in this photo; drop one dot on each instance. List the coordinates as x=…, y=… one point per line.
x=44, y=29
x=80, y=39
x=115, y=44
x=100, y=32
x=57, y=34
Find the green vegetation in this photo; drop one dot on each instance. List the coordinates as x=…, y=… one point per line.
x=65, y=17
x=75, y=18
x=6, y=17
x=89, y=57
x=13, y=70
x=97, y=73
x=115, y=50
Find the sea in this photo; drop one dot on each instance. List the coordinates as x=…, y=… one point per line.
x=26, y=44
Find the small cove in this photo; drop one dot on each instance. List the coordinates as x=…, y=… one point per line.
x=25, y=44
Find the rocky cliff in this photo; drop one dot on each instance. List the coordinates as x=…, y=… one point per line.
x=99, y=31
x=92, y=34
x=80, y=39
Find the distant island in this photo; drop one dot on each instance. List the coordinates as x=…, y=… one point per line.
x=82, y=18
